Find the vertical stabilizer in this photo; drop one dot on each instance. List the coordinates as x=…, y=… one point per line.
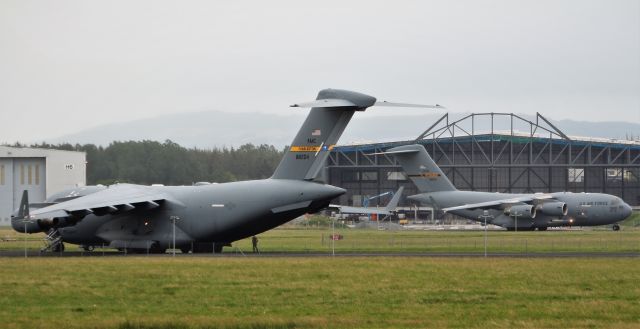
x=421, y=169
x=329, y=116
x=330, y=113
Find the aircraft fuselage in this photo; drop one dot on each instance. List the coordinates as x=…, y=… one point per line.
x=583, y=209
x=219, y=213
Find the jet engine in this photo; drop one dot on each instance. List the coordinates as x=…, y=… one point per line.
x=40, y=225
x=553, y=208
x=522, y=211
x=25, y=226
x=57, y=222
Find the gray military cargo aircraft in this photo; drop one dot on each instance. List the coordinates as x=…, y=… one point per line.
x=529, y=211
x=208, y=216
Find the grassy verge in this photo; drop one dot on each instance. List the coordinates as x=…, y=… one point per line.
x=139, y=292
x=317, y=240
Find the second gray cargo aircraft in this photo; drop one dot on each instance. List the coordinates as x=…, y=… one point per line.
x=524, y=211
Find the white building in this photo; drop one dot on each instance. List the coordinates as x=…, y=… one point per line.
x=42, y=172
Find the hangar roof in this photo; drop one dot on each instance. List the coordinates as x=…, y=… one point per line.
x=30, y=152
x=501, y=137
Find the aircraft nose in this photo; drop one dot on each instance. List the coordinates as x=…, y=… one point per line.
x=323, y=191
x=627, y=211
x=337, y=191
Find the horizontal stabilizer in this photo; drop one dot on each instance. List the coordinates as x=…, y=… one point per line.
x=389, y=104
x=361, y=210
x=326, y=103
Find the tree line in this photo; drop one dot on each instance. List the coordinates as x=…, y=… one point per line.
x=152, y=162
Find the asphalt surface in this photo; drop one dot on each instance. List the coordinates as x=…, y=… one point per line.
x=230, y=254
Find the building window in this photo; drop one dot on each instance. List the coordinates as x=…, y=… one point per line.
x=29, y=176
x=369, y=176
x=21, y=174
x=396, y=175
x=1, y=174
x=37, y=174
x=350, y=176
x=576, y=175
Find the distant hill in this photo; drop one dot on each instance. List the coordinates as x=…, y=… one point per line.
x=211, y=129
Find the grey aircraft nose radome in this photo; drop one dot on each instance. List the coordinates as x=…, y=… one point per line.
x=206, y=216
x=526, y=211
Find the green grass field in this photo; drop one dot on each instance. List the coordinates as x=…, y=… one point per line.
x=360, y=292
x=352, y=292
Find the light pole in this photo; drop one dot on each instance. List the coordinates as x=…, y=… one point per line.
x=174, y=219
x=333, y=236
x=25, y=239
x=485, y=215
x=515, y=215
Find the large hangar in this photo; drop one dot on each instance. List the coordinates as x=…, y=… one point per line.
x=496, y=152
x=40, y=171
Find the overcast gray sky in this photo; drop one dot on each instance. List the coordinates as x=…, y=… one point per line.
x=68, y=65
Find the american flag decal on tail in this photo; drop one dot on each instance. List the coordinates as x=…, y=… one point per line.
x=316, y=132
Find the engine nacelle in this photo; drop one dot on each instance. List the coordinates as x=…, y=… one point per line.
x=25, y=226
x=553, y=208
x=58, y=222
x=522, y=211
x=41, y=225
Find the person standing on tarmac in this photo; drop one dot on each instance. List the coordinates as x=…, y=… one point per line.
x=254, y=242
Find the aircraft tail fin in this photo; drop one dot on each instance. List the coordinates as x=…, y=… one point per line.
x=393, y=203
x=23, y=211
x=421, y=169
x=20, y=219
x=330, y=113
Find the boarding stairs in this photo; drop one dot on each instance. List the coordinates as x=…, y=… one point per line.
x=53, y=241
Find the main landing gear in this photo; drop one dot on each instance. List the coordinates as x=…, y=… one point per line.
x=209, y=247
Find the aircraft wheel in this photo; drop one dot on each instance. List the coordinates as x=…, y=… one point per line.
x=88, y=248
x=185, y=250
x=156, y=249
x=615, y=227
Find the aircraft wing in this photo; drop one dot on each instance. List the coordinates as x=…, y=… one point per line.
x=116, y=198
x=500, y=203
x=360, y=210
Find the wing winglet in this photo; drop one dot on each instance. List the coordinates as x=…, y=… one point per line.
x=393, y=203
x=23, y=211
